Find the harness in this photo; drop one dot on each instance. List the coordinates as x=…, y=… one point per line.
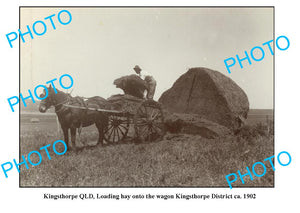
x=81, y=102
x=57, y=107
x=61, y=108
x=69, y=100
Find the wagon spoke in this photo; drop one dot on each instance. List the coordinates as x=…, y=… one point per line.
x=125, y=127
x=153, y=127
x=142, y=124
x=155, y=124
x=141, y=121
x=151, y=117
x=157, y=129
x=154, y=117
x=118, y=133
x=114, y=135
x=143, y=130
x=143, y=112
x=150, y=134
x=154, y=134
x=146, y=112
x=107, y=130
x=123, y=133
x=110, y=134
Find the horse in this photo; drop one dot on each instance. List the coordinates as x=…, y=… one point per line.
x=75, y=118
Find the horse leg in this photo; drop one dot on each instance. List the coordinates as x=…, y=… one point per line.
x=100, y=132
x=73, y=137
x=66, y=137
x=101, y=124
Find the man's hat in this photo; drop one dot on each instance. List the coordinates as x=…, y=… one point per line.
x=137, y=68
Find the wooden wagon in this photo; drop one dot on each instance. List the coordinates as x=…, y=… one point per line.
x=144, y=119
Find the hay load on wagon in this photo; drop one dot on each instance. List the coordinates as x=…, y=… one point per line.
x=209, y=94
x=131, y=85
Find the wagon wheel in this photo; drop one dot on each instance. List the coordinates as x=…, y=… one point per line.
x=117, y=129
x=149, y=121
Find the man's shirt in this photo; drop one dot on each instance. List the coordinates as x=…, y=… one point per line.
x=143, y=74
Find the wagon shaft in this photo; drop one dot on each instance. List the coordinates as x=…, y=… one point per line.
x=95, y=109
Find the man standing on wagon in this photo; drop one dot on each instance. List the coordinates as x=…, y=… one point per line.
x=148, y=78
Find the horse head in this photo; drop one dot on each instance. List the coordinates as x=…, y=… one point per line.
x=47, y=99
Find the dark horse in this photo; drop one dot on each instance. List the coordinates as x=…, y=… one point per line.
x=75, y=118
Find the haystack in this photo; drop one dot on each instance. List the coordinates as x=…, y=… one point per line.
x=209, y=94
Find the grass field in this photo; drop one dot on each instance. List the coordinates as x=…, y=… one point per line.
x=177, y=160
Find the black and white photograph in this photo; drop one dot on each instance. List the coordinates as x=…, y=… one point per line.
x=142, y=96
x=149, y=106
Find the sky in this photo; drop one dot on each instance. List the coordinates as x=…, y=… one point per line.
x=102, y=44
